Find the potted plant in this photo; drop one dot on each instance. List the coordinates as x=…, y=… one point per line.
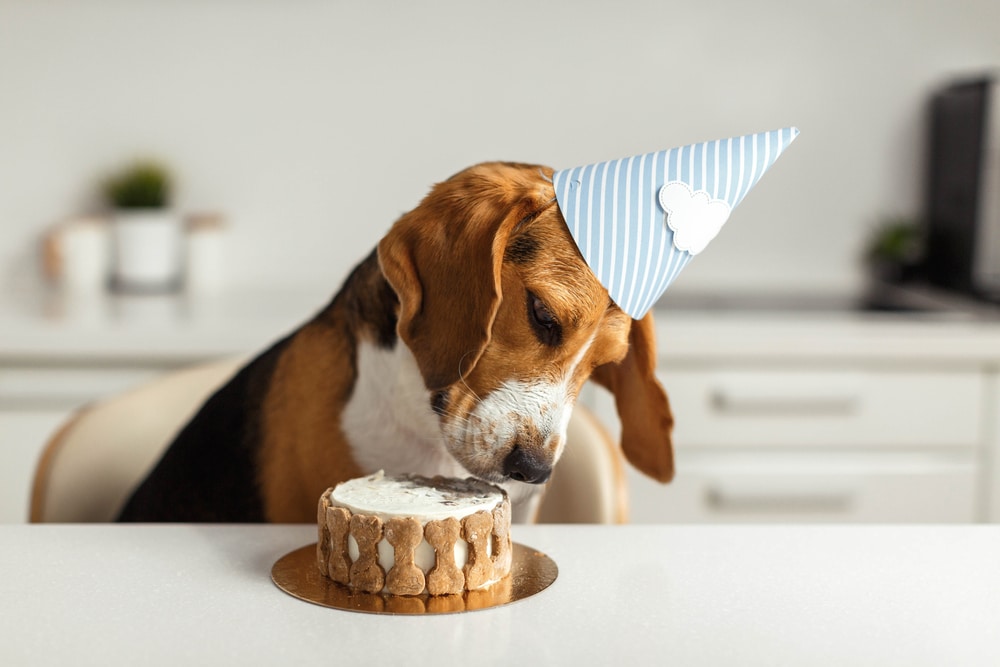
x=894, y=250
x=146, y=234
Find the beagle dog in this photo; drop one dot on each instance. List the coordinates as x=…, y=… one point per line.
x=458, y=347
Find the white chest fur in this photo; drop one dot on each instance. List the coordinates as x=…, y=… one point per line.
x=391, y=426
x=388, y=419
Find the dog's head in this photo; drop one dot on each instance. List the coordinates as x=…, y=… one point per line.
x=506, y=322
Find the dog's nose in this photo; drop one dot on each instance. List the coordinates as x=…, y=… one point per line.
x=521, y=466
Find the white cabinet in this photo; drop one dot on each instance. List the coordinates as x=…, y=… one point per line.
x=821, y=442
x=805, y=487
x=989, y=477
x=809, y=407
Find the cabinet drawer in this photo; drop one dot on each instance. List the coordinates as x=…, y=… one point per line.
x=810, y=487
x=826, y=407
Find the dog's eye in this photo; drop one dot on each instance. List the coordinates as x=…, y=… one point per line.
x=541, y=312
x=544, y=323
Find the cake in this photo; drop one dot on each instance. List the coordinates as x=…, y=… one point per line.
x=413, y=535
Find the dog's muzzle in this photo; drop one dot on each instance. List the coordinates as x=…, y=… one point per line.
x=521, y=466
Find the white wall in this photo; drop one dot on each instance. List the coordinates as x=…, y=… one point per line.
x=315, y=124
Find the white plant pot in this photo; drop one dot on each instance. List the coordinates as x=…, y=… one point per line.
x=147, y=246
x=76, y=255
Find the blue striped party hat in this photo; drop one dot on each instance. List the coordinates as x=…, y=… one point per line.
x=639, y=220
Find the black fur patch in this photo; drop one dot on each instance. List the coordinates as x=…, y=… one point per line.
x=369, y=302
x=522, y=250
x=209, y=472
x=439, y=402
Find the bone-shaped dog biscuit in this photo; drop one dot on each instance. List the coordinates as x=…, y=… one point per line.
x=323, y=543
x=502, y=546
x=366, y=574
x=445, y=577
x=338, y=522
x=476, y=530
x=405, y=535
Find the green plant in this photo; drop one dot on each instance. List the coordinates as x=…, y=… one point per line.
x=895, y=250
x=142, y=184
x=897, y=240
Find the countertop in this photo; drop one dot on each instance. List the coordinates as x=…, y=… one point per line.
x=699, y=595
x=889, y=325
x=48, y=327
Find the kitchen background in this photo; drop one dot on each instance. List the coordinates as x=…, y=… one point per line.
x=306, y=128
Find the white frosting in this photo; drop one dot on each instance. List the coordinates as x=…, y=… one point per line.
x=424, y=499
x=420, y=498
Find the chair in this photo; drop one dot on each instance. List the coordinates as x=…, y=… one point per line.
x=92, y=463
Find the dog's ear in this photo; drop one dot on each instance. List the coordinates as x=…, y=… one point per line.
x=444, y=260
x=642, y=403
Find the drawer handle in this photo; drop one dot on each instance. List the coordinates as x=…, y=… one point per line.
x=810, y=404
x=723, y=498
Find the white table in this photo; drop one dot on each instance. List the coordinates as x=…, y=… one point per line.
x=724, y=595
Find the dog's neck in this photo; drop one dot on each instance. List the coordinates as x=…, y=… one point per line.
x=388, y=419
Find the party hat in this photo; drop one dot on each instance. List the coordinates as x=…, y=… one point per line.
x=638, y=221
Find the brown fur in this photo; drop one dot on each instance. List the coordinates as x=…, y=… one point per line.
x=303, y=450
x=301, y=453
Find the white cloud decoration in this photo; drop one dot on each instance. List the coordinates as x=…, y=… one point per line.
x=693, y=215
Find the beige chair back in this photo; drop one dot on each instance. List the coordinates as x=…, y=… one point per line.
x=588, y=484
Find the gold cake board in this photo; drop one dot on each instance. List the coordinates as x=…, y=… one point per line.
x=297, y=574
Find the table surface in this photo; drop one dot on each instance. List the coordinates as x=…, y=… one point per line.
x=706, y=595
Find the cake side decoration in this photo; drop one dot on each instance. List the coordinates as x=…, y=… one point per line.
x=366, y=573
x=446, y=578
x=477, y=529
x=502, y=544
x=405, y=535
